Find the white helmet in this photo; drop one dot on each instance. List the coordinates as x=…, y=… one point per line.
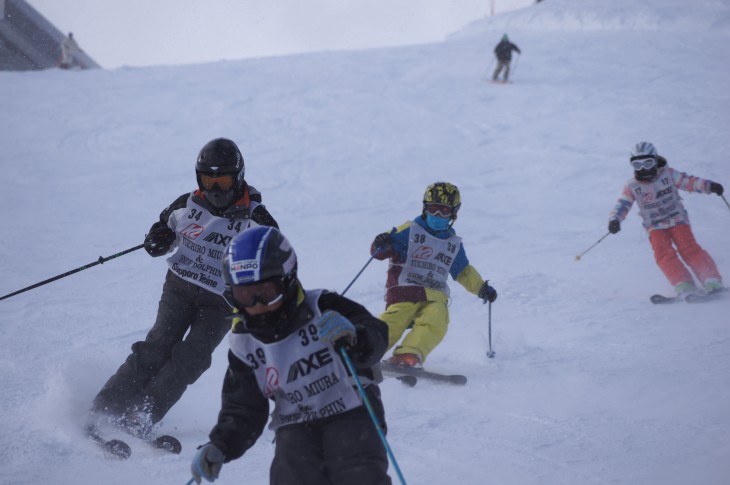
x=645, y=161
x=643, y=149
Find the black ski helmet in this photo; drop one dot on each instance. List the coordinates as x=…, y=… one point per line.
x=221, y=157
x=258, y=254
x=645, y=151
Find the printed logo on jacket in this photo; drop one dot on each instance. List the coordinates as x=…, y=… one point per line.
x=429, y=260
x=304, y=376
x=203, y=239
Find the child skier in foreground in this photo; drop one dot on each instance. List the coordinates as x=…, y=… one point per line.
x=654, y=187
x=284, y=348
x=423, y=253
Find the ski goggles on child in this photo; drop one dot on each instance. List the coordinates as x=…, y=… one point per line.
x=643, y=163
x=266, y=293
x=224, y=181
x=441, y=210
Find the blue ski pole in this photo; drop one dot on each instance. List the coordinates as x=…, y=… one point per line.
x=373, y=417
x=361, y=390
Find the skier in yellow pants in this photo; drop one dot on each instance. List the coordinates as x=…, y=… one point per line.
x=423, y=253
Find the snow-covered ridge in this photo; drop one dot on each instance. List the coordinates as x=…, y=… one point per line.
x=603, y=15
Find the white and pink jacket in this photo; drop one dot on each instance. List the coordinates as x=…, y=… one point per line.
x=660, y=205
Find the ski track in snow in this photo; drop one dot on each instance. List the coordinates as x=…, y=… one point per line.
x=591, y=383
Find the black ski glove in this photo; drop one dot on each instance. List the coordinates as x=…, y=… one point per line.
x=363, y=349
x=382, y=241
x=159, y=240
x=487, y=293
x=716, y=188
x=614, y=226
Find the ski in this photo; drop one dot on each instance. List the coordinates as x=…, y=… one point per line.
x=399, y=370
x=112, y=448
x=661, y=299
x=702, y=297
x=409, y=381
x=690, y=298
x=165, y=442
x=120, y=449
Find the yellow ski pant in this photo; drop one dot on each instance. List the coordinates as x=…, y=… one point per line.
x=430, y=321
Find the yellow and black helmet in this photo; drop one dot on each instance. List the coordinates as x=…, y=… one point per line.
x=443, y=193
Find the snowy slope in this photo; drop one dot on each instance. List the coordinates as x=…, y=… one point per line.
x=590, y=384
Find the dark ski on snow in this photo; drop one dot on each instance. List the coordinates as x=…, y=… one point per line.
x=409, y=381
x=399, y=370
x=113, y=448
x=660, y=299
x=120, y=449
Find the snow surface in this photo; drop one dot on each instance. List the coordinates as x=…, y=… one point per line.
x=591, y=383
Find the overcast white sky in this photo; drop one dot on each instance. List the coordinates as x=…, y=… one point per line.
x=143, y=32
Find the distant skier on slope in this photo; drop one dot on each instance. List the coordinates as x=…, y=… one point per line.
x=654, y=187
x=284, y=348
x=423, y=253
x=191, y=319
x=503, y=51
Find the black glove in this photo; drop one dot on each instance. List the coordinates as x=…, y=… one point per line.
x=159, y=240
x=716, y=188
x=382, y=241
x=614, y=226
x=363, y=349
x=487, y=293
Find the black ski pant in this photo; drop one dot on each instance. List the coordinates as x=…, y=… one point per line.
x=160, y=368
x=500, y=66
x=340, y=450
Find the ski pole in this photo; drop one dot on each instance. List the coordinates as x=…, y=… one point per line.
x=101, y=260
x=577, y=258
x=490, y=352
x=371, y=412
x=363, y=269
x=358, y=275
x=514, y=69
x=723, y=198
x=190, y=482
x=364, y=397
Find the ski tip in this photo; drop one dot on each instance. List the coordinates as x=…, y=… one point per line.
x=168, y=443
x=658, y=299
x=458, y=379
x=409, y=381
x=117, y=449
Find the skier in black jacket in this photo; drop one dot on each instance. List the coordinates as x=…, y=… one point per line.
x=503, y=51
x=284, y=348
x=195, y=228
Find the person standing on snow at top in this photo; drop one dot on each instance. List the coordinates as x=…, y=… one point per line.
x=503, y=51
x=655, y=188
x=284, y=348
x=423, y=253
x=69, y=49
x=191, y=319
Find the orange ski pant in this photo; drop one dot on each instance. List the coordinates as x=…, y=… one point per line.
x=664, y=241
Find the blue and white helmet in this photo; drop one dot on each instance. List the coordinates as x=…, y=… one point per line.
x=257, y=254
